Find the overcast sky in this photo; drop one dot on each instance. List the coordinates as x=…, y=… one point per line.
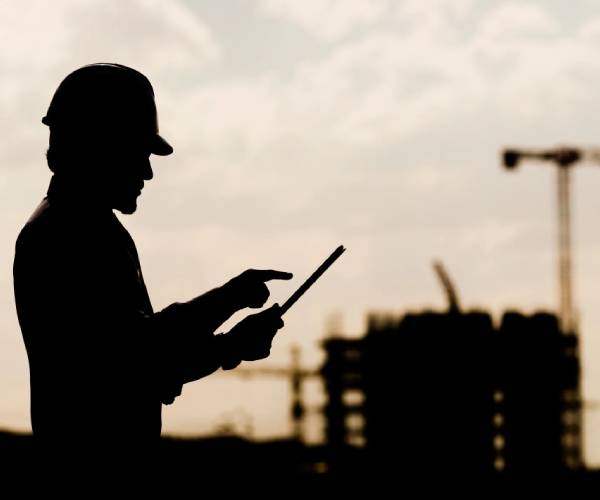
x=300, y=125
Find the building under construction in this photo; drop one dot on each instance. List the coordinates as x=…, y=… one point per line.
x=452, y=392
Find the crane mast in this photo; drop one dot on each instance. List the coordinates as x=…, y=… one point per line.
x=564, y=158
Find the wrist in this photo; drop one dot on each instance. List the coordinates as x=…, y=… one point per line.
x=228, y=352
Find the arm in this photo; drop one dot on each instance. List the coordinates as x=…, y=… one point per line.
x=86, y=323
x=75, y=289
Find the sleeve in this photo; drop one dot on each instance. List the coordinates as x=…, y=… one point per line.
x=186, y=349
x=198, y=351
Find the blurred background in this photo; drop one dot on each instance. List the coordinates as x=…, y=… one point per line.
x=382, y=125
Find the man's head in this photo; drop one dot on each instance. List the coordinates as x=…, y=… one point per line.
x=103, y=129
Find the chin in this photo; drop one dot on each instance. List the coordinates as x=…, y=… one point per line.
x=126, y=207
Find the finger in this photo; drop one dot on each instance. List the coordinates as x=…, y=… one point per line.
x=259, y=297
x=271, y=274
x=277, y=320
x=260, y=353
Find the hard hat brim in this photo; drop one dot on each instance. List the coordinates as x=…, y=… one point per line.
x=160, y=147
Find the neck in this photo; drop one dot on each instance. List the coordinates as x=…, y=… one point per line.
x=76, y=193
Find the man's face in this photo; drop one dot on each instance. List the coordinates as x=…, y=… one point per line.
x=124, y=169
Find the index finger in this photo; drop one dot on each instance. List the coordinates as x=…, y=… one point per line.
x=271, y=274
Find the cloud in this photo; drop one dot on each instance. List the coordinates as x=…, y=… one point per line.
x=590, y=30
x=157, y=36
x=435, y=19
x=44, y=36
x=327, y=20
x=514, y=20
x=45, y=41
x=380, y=119
x=387, y=84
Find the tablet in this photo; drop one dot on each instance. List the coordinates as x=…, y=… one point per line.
x=312, y=278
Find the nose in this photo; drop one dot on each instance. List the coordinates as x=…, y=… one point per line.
x=147, y=173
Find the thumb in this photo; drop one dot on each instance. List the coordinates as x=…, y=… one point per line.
x=275, y=309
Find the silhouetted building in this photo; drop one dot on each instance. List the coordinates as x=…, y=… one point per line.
x=537, y=395
x=451, y=392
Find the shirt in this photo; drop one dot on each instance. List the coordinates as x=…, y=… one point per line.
x=101, y=361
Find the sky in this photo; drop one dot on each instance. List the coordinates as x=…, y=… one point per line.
x=299, y=126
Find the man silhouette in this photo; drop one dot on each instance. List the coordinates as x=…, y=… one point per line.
x=101, y=361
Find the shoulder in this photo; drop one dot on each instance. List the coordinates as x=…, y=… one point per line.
x=49, y=229
x=37, y=226
x=40, y=214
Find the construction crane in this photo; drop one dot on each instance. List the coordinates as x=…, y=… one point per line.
x=564, y=158
x=448, y=286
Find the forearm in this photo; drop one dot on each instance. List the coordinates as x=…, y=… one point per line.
x=211, y=309
x=218, y=353
x=189, y=349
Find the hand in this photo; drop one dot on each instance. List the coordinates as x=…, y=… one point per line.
x=249, y=288
x=251, y=338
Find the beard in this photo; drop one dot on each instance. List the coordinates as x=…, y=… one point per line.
x=125, y=204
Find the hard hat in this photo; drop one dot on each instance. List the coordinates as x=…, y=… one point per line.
x=111, y=100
